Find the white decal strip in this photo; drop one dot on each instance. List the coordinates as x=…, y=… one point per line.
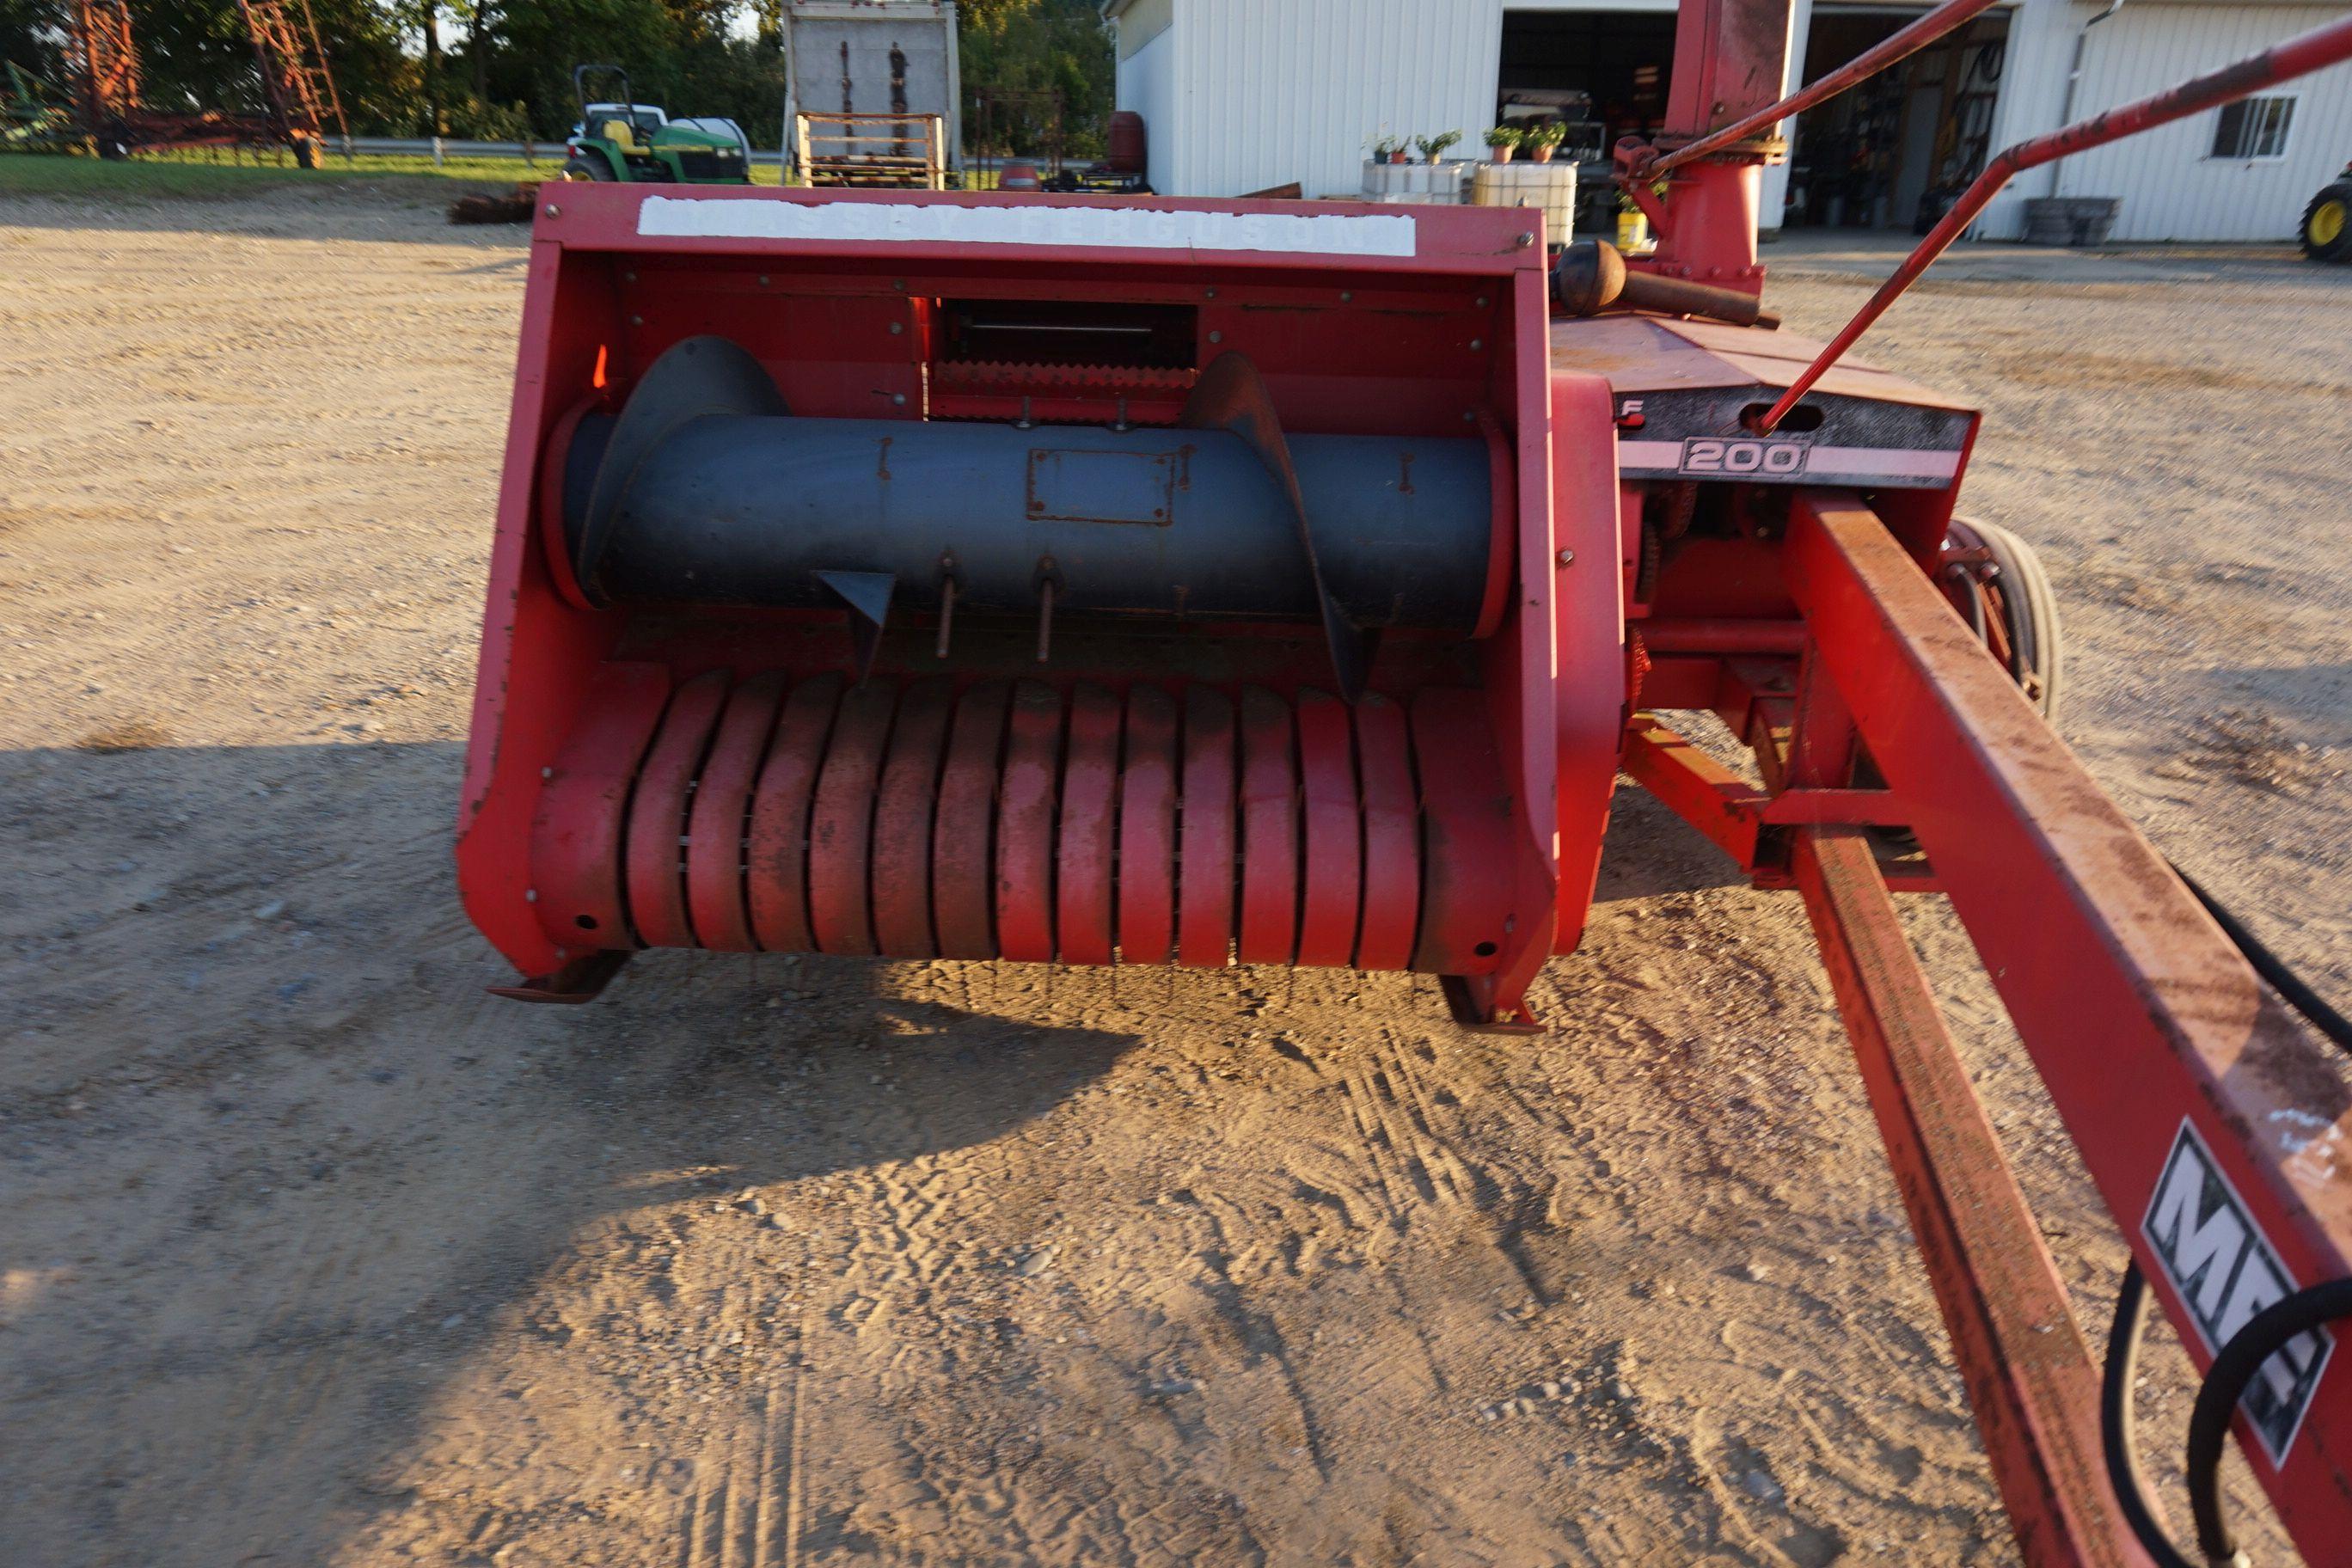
x=1877, y=462
x=1122, y=228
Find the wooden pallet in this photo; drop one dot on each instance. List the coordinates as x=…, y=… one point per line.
x=897, y=151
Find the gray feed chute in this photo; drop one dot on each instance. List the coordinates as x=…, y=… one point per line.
x=705, y=491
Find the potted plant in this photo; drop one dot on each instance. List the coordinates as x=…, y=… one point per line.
x=1433, y=147
x=1503, y=140
x=1542, y=141
x=1388, y=149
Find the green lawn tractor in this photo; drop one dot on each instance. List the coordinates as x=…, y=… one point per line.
x=620, y=138
x=29, y=116
x=2327, y=221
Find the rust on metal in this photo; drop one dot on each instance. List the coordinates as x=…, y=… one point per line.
x=1697, y=788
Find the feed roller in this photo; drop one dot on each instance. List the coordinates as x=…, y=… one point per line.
x=1009, y=819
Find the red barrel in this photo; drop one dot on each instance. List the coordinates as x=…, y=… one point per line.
x=1127, y=144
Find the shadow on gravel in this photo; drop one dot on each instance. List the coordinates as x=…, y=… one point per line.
x=1649, y=851
x=407, y=212
x=278, y=1174
x=275, y=1168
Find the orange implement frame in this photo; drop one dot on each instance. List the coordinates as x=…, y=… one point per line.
x=295, y=78
x=298, y=89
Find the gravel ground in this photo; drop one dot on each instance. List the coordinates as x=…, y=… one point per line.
x=314, y=1253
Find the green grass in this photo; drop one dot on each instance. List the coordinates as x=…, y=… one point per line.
x=194, y=174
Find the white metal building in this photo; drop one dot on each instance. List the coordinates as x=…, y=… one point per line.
x=1242, y=95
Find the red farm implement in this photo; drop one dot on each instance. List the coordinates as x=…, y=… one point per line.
x=1048, y=579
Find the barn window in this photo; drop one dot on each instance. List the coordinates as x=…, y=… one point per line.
x=2253, y=128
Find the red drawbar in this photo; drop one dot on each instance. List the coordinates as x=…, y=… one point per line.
x=902, y=821
x=775, y=852
x=1147, y=830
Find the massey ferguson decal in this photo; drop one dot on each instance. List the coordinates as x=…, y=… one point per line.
x=2224, y=1269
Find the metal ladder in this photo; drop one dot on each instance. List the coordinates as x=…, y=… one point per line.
x=294, y=75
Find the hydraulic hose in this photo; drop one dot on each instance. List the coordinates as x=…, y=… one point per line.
x=2266, y=963
x=2262, y=1337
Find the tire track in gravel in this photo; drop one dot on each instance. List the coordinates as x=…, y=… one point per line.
x=748, y=1509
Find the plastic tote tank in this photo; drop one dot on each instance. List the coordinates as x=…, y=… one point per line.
x=1417, y=184
x=1551, y=187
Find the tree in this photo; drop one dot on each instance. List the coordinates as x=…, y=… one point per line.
x=28, y=37
x=198, y=54
x=679, y=54
x=428, y=23
x=500, y=70
x=1024, y=54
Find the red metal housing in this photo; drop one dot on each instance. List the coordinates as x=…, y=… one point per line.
x=647, y=777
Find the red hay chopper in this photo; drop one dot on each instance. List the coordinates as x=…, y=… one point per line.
x=1071, y=581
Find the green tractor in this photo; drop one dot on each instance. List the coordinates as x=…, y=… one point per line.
x=620, y=138
x=29, y=116
x=2327, y=221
